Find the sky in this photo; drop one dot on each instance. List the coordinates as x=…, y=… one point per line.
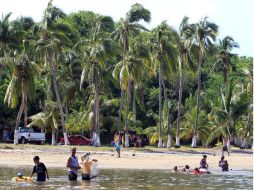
x=234, y=17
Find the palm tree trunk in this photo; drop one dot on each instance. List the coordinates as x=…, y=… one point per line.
x=225, y=78
x=1, y=71
x=194, y=139
x=160, y=107
x=66, y=113
x=244, y=143
x=120, y=111
x=21, y=110
x=178, y=145
x=134, y=110
x=126, y=128
x=60, y=107
x=25, y=109
x=97, y=141
x=53, y=142
x=167, y=110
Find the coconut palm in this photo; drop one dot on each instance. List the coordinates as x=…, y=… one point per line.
x=225, y=56
x=188, y=122
x=22, y=82
x=53, y=37
x=202, y=35
x=127, y=27
x=96, y=51
x=184, y=58
x=249, y=119
x=163, y=53
x=10, y=38
x=226, y=115
x=47, y=119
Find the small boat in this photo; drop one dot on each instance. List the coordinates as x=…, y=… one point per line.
x=22, y=179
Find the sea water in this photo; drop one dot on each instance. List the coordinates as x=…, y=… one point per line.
x=132, y=179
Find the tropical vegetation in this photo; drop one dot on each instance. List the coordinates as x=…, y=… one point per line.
x=84, y=73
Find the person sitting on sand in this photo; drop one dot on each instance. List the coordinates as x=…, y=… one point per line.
x=40, y=169
x=203, y=163
x=73, y=166
x=86, y=166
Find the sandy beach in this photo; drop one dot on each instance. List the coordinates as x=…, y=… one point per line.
x=130, y=159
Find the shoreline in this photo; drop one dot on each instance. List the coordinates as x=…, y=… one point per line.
x=130, y=159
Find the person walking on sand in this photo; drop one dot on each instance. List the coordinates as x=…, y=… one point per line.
x=40, y=169
x=118, y=150
x=73, y=166
x=225, y=142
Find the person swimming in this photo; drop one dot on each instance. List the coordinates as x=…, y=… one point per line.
x=185, y=169
x=175, y=169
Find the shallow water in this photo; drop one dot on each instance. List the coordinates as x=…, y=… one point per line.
x=133, y=179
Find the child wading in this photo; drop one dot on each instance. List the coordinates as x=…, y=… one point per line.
x=86, y=166
x=40, y=169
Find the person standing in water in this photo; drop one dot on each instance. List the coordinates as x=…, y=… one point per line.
x=73, y=166
x=223, y=164
x=203, y=163
x=86, y=166
x=40, y=169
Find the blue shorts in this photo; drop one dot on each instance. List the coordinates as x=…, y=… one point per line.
x=118, y=148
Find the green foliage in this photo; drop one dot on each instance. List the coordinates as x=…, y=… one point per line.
x=91, y=51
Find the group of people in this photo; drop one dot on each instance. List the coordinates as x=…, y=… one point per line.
x=88, y=172
x=203, y=168
x=72, y=164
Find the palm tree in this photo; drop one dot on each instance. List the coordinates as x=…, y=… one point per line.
x=188, y=122
x=21, y=83
x=129, y=26
x=226, y=45
x=203, y=34
x=47, y=118
x=163, y=54
x=96, y=51
x=53, y=36
x=249, y=119
x=10, y=38
x=226, y=115
x=183, y=46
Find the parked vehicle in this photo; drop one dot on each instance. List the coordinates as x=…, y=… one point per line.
x=29, y=135
x=77, y=140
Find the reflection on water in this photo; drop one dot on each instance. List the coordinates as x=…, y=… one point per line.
x=133, y=179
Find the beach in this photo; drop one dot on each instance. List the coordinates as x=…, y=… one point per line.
x=161, y=159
